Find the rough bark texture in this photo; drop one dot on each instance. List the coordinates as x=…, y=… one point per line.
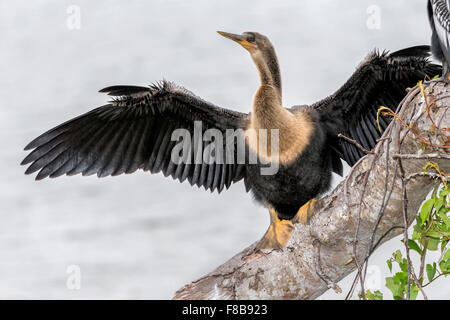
x=318, y=253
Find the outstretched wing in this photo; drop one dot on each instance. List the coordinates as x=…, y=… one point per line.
x=439, y=17
x=135, y=132
x=380, y=80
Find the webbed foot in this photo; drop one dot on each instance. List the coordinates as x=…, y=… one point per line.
x=306, y=211
x=278, y=233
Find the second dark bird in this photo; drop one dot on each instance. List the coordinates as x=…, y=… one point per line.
x=439, y=17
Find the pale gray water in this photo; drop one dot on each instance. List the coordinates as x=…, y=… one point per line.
x=142, y=236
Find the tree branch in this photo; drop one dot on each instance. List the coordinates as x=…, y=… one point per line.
x=324, y=251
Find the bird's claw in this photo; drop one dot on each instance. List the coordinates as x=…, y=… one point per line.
x=306, y=211
x=277, y=235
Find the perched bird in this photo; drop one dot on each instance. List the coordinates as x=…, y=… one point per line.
x=136, y=131
x=439, y=17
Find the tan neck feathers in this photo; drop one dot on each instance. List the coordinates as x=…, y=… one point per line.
x=294, y=130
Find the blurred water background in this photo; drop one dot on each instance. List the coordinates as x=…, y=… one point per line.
x=141, y=236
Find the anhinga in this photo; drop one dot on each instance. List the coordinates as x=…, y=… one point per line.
x=439, y=17
x=134, y=132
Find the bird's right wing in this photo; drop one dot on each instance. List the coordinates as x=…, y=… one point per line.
x=439, y=16
x=380, y=80
x=135, y=132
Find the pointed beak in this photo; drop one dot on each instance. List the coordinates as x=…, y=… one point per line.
x=235, y=37
x=239, y=39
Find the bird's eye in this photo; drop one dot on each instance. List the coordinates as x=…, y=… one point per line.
x=250, y=37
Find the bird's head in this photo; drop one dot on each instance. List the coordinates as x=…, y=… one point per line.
x=253, y=42
x=262, y=53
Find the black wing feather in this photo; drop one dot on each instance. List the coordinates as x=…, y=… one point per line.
x=382, y=79
x=134, y=132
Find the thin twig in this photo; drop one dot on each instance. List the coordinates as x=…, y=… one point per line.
x=382, y=207
x=352, y=288
x=410, y=267
x=355, y=240
x=384, y=235
x=422, y=156
x=319, y=271
x=405, y=230
x=441, y=274
x=424, y=174
x=423, y=258
x=354, y=142
x=347, y=180
x=418, y=136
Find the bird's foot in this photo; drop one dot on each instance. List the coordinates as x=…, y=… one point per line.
x=306, y=211
x=278, y=233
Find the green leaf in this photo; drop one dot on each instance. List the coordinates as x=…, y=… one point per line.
x=444, y=265
x=418, y=229
x=442, y=229
x=438, y=204
x=348, y=261
x=444, y=218
x=414, y=292
x=404, y=266
x=433, y=234
x=433, y=244
x=426, y=210
x=432, y=228
x=377, y=295
x=394, y=286
x=431, y=271
x=401, y=277
x=398, y=256
x=414, y=246
x=444, y=244
x=446, y=255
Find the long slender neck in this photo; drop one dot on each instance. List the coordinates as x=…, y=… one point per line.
x=268, y=111
x=269, y=71
x=294, y=130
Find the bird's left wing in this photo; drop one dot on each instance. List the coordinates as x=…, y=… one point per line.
x=135, y=132
x=380, y=80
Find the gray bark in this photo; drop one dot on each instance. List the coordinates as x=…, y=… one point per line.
x=318, y=253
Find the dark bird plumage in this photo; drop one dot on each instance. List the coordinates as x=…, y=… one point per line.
x=134, y=130
x=439, y=17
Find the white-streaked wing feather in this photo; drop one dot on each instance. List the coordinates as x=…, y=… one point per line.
x=441, y=17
